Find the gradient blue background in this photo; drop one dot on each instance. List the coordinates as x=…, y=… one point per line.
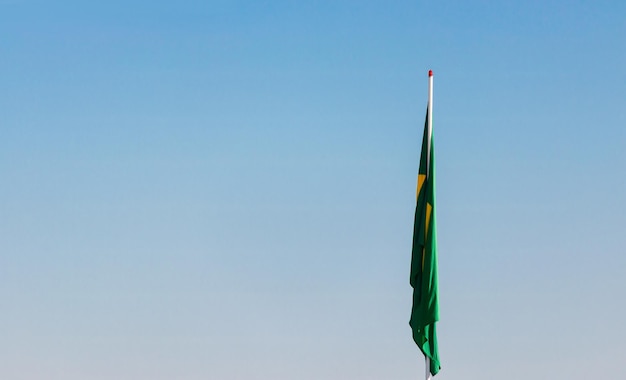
x=225, y=189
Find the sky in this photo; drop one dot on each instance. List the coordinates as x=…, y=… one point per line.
x=225, y=189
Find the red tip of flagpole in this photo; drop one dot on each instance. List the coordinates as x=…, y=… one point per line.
x=430, y=73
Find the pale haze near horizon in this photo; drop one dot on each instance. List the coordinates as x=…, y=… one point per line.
x=225, y=190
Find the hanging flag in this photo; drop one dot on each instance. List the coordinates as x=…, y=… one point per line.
x=425, y=312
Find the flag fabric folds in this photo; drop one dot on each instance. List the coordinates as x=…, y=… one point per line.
x=425, y=311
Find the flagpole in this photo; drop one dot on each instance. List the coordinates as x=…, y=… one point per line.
x=430, y=119
x=430, y=133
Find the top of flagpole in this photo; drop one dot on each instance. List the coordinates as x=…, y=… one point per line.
x=429, y=121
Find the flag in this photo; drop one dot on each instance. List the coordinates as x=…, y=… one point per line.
x=425, y=311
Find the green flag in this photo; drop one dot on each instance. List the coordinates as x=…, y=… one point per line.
x=425, y=310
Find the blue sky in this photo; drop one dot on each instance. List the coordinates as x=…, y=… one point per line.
x=225, y=189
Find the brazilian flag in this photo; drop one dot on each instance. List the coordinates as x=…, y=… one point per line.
x=425, y=312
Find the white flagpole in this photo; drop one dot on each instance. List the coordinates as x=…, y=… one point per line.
x=430, y=134
x=430, y=119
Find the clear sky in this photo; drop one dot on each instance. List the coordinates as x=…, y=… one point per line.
x=225, y=189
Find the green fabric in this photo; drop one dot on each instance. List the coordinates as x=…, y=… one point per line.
x=425, y=310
